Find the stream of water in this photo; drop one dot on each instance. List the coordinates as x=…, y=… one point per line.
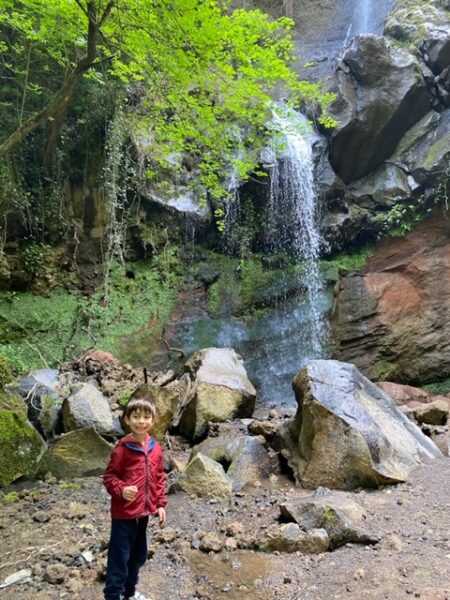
x=277, y=345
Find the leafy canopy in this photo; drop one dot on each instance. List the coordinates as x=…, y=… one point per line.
x=201, y=74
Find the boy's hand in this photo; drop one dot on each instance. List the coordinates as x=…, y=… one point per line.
x=162, y=516
x=129, y=492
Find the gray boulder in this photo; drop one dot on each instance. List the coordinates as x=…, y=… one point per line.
x=291, y=538
x=380, y=94
x=348, y=433
x=329, y=513
x=41, y=391
x=204, y=477
x=88, y=407
x=222, y=390
x=244, y=459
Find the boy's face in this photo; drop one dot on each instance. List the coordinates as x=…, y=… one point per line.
x=139, y=422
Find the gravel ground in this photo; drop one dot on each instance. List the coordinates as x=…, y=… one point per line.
x=59, y=530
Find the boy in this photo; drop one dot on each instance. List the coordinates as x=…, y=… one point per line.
x=135, y=480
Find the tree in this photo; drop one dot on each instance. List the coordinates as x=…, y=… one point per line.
x=203, y=69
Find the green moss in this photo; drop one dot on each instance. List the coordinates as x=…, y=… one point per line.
x=37, y=331
x=355, y=261
x=248, y=286
x=382, y=370
x=69, y=486
x=439, y=387
x=436, y=151
x=10, y=498
x=22, y=446
x=123, y=401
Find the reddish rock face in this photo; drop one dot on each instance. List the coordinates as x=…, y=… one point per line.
x=393, y=320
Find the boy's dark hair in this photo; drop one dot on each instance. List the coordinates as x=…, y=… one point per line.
x=135, y=404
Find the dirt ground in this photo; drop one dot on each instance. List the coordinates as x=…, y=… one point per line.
x=67, y=524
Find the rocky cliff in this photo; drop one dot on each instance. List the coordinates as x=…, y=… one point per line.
x=392, y=320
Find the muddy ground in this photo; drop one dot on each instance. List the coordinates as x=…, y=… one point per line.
x=60, y=530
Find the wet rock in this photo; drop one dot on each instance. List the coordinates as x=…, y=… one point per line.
x=222, y=390
x=347, y=433
x=380, y=94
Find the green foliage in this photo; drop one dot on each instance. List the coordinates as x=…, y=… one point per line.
x=37, y=331
x=35, y=258
x=201, y=73
x=402, y=218
x=247, y=286
x=354, y=261
x=438, y=388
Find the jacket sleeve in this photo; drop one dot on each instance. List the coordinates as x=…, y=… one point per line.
x=161, y=498
x=112, y=476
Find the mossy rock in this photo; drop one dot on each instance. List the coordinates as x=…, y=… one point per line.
x=6, y=374
x=22, y=446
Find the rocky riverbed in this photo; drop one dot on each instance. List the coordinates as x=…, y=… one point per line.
x=55, y=533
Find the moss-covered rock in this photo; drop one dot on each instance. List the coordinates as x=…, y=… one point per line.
x=5, y=371
x=22, y=446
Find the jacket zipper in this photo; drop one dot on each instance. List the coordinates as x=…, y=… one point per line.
x=147, y=483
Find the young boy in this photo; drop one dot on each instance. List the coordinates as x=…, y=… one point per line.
x=135, y=480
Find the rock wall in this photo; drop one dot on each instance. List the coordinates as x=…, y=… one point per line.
x=392, y=321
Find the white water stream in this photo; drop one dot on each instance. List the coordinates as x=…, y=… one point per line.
x=293, y=214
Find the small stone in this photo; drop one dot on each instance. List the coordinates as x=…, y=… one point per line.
x=55, y=574
x=41, y=516
x=210, y=542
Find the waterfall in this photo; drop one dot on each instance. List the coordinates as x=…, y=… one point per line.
x=293, y=218
x=367, y=17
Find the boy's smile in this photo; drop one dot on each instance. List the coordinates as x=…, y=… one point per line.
x=140, y=423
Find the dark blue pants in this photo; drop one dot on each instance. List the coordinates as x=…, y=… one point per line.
x=127, y=553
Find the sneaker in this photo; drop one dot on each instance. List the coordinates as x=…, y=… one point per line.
x=138, y=596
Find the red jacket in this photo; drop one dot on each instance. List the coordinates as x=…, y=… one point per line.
x=131, y=463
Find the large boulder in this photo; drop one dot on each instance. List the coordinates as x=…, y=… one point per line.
x=244, y=458
x=222, y=390
x=80, y=453
x=423, y=153
x=41, y=391
x=392, y=320
x=336, y=514
x=426, y=26
x=380, y=94
x=88, y=407
x=348, y=433
x=204, y=477
x=22, y=445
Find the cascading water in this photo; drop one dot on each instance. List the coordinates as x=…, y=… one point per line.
x=293, y=219
x=278, y=343
x=367, y=17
